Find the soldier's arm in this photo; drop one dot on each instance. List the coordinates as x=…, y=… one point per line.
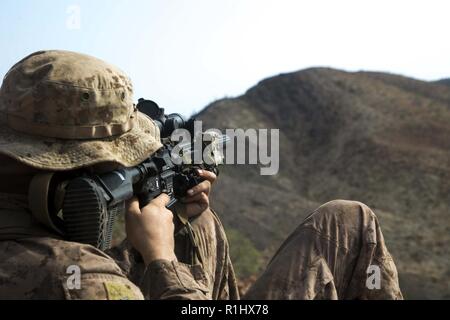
x=150, y=230
x=161, y=279
x=101, y=286
x=174, y=280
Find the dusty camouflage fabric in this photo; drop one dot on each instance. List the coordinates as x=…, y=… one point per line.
x=34, y=263
x=62, y=110
x=326, y=257
x=203, y=270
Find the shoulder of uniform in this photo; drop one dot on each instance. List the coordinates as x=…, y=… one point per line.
x=61, y=255
x=99, y=286
x=49, y=268
x=86, y=272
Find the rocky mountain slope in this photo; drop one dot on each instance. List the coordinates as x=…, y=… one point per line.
x=382, y=139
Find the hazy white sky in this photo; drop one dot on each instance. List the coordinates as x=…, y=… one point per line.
x=185, y=54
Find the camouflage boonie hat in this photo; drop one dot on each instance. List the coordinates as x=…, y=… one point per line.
x=62, y=110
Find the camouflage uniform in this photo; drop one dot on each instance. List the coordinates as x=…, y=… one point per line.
x=61, y=111
x=327, y=257
x=34, y=263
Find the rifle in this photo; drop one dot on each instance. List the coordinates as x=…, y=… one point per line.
x=91, y=203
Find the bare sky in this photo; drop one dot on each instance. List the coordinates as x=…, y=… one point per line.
x=185, y=54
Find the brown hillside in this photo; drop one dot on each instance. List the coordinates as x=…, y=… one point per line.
x=377, y=138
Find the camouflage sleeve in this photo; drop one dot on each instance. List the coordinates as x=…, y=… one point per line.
x=227, y=288
x=174, y=280
x=211, y=277
x=102, y=286
x=161, y=279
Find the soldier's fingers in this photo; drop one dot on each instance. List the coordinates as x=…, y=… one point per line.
x=161, y=201
x=198, y=197
x=204, y=186
x=195, y=209
x=207, y=175
x=132, y=206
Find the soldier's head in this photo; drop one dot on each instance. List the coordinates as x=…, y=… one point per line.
x=62, y=110
x=65, y=111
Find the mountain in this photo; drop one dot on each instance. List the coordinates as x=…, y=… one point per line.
x=444, y=81
x=381, y=139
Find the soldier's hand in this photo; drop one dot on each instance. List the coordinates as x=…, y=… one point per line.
x=150, y=229
x=197, y=199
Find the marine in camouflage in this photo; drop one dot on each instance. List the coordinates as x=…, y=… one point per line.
x=62, y=110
